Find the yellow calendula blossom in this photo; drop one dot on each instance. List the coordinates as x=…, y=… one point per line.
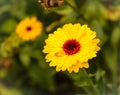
x=29, y=29
x=70, y=47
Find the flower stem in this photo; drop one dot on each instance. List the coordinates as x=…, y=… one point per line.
x=91, y=90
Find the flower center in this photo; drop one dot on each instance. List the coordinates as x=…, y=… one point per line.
x=71, y=47
x=29, y=28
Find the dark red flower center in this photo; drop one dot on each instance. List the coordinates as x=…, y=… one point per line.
x=29, y=28
x=71, y=47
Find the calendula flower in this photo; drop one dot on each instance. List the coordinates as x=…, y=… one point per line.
x=29, y=29
x=70, y=47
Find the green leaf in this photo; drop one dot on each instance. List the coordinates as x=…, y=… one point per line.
x=10, y=43
x=100, y=73
x=25, y=59
x=81, y=79
x=9, y=26
x=42, y=76
x=99, y=31
x=110, y=59
x=115, y=36
x=18, y=8
x=4, y=8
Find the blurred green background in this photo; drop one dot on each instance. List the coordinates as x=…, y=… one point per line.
x=23, y=70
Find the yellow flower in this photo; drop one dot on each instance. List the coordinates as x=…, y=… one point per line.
x=70, y=48
x=29, y=29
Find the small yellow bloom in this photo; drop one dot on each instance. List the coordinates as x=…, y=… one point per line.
x=29, y=29
x=70, y=47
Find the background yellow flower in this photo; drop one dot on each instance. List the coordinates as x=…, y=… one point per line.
x=29, y=29
x=70, y=47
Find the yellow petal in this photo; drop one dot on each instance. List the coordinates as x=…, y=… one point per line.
x=60, y=53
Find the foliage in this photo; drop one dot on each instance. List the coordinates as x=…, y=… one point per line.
x=23, y=70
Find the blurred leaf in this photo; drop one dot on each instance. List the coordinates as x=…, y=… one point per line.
x=99, y=31
x=25, y=59
x=25, y=54
x=115, y=36
x=119, y=90
x=99, y=74
x=91, y=9
x=81, y=79
x=110, y=59
x=9, y=91
x=10, y=24
x=18, y=8
x=3, y=73
x=9, y=45
x=43, y=77
x=4, y=8
x=94, y=10
x=68, y=12
x=64, y=11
